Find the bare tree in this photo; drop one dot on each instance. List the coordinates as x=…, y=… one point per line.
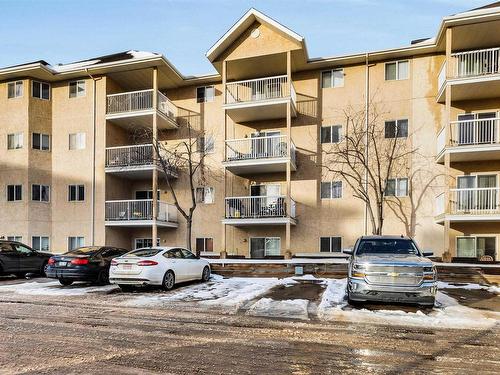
x=184, y=157
x=368, y=155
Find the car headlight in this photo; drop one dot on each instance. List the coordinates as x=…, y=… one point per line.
x=429, y=273
x=358, y=270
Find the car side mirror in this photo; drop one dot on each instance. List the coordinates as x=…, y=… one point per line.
x=427, y=253
x=347, y=251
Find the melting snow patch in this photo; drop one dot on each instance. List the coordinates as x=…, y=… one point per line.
x=292, y=308
x=448, y=314
x=53, y=288
x=489, y=288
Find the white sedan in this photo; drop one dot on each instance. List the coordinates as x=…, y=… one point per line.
x=165, y=266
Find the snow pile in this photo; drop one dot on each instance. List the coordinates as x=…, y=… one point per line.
x=448, y=313
x=290, y=309
x=77, y=65
x=229, y=294
x=53, y=288
x=141, y=54
x=489, y=288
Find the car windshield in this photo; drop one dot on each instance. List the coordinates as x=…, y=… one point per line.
x=144, y=252
x=386, y=246
x=87, y=250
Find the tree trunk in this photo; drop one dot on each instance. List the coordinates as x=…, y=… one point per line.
x=188, y=233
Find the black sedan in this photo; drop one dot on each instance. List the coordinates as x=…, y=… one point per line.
x=19, y=259
x=89, y=263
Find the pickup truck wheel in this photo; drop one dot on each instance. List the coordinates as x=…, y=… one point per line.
x=168, y=281
x=65, y=282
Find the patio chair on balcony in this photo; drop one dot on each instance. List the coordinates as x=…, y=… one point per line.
x=122, y=215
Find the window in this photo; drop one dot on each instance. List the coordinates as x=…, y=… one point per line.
x=77, y=141
x=40, y=90
x=330, y=244
x=14, y=193
x=41, y=243
x=205, y=144
x=396, y=129
x=75, y=242
x=261, y=247
x=332, y=78
x=41, y=142
x=331, y=134
x=77, y=89
x=396, y=187
x=40, y=193
x=204, y=244
x=76, y=193
x=205, y=94
x=145, y=242
x=476, y=247
x=15, y=238
x=146, y=194
x=15, y=89
x=331, y=190
x=15, y=141
x=186, y=254
x=205, y=195
x=396, y=70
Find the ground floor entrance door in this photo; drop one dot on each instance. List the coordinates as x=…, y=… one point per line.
x=261, y=247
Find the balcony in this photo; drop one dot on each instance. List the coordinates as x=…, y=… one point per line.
x=258, y=210
x=472, y=75
x=469, y=205
x=259, y=99
x=139, y=213
x=136, y=107
x=266, y=154
x=470, y=140
x=134, y=162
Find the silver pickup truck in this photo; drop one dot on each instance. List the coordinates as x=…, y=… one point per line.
x=390, y=269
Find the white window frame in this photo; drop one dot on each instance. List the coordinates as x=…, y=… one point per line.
x=341, y=136
x=79, y=141
x=204, y=243
x=397, y=70
x=15, y=83
x=475, y=237
x=145, y=238
x=79, y=239
x=41, y=90
x=15, y=238
x=77, y=84
x=332, y=78
x=265, y=251
x=40, y=136
x=40, y=241
x=397, y=193
x=47, y=187
x=205, y=98
x=18, y=140
x=15, y=198
x=205, y=189
x=331, y=190
x=77, y=193
x=330, y=239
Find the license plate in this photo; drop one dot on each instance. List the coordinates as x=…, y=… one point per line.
x=127, y=266
x=62, y=264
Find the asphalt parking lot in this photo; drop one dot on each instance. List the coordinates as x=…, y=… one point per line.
x=242, y=326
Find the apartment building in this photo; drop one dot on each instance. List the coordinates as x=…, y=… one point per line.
x=72, y=172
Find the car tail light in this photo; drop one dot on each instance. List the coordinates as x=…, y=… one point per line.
x=51, y=261
x=80, y=261
x=114, y=262
x=147, y=263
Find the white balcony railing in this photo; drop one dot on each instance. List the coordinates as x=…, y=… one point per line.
x=253, y=90
x=442, y=76
x=475, y=132
x=257, y=207
x=136, y=101
x=475, y=201
x=139, y=209
x=476, y=63
x=253, y=148
x=129, y=156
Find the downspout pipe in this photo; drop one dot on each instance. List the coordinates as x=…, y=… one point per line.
x=94, y=127
x=367, y=112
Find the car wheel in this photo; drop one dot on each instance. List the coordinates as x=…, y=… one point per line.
x=42, y=269
x=126, y=288
x=205, y=275
x=103, y=278
x=168, y=281
x=65, y=282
